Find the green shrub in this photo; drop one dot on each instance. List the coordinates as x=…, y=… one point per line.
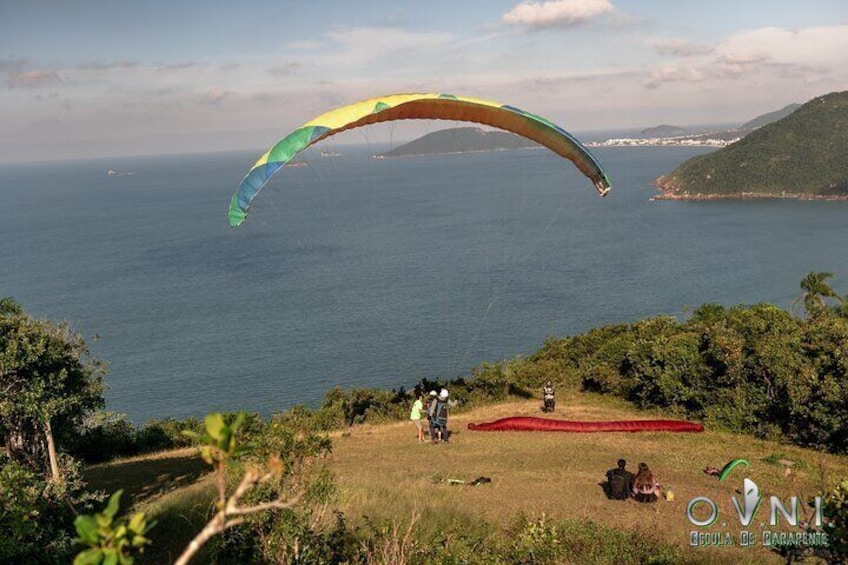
x=835, y=510
x=346, y=408
x=294, y=534
x=157, y=435
x=36, y=514
x=101, y=437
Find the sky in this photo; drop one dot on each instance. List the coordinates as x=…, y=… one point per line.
x=100, y=78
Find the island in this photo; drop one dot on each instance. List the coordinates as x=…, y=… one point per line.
x=664, y=130
x=803, y=155
x=460, y=140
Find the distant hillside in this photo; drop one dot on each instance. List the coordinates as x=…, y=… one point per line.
x=766, y=119
x=664, y=131
x=460, y=140
x=668, y=135
x=805, y=154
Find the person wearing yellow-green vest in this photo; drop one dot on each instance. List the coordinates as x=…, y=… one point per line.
x=415, y=416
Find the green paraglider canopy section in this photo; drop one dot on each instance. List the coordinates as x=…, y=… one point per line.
x=730, y=466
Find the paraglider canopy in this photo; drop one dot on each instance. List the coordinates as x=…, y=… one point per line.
x=414, y=106
x=730, y=466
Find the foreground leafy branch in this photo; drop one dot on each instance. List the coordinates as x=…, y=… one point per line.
x=111, y=541
x=219, y=446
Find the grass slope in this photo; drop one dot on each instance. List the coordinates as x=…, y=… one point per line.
x=383, y=473
x=174, y=488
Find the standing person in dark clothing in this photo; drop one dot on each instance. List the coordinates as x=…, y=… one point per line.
x=440, y=418
x=430, y=408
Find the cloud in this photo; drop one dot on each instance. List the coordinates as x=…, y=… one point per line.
x=365, y=44
x=772, y=54
x=675, y=74
x=305, y=45
x=216, y=94
x=107, y=66
x=736, y=58
x=285, y=69
x=393, y=20
x=179, y=66
x=557, y=83
x=13, y=65
x=49, y=96
x=32, y=79
x=265, y=97
x=827, y=45
x=679, y=48
x=557, y=13
x=162, y=91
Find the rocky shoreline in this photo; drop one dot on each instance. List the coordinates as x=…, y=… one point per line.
x=668, y=191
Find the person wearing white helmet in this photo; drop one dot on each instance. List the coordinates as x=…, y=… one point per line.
x=440, y=418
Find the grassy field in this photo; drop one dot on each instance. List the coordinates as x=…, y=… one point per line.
x=383, y=473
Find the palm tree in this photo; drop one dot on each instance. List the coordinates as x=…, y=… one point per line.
x=815, y=295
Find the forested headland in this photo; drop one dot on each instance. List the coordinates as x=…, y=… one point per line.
x=803, y=155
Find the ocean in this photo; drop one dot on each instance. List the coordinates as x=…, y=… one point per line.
x=358, y=272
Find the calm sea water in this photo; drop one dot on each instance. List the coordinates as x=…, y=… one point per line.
x=360, y=272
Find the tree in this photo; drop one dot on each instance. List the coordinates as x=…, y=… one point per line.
x=48, y=381
x=816, y=292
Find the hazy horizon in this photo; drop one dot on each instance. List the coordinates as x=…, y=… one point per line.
x=346, y=139
x=77, y=81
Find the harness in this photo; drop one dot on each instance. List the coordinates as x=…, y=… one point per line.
x=440, y=414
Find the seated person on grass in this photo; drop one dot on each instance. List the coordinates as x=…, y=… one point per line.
x=645, y=485
x=619, y=482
